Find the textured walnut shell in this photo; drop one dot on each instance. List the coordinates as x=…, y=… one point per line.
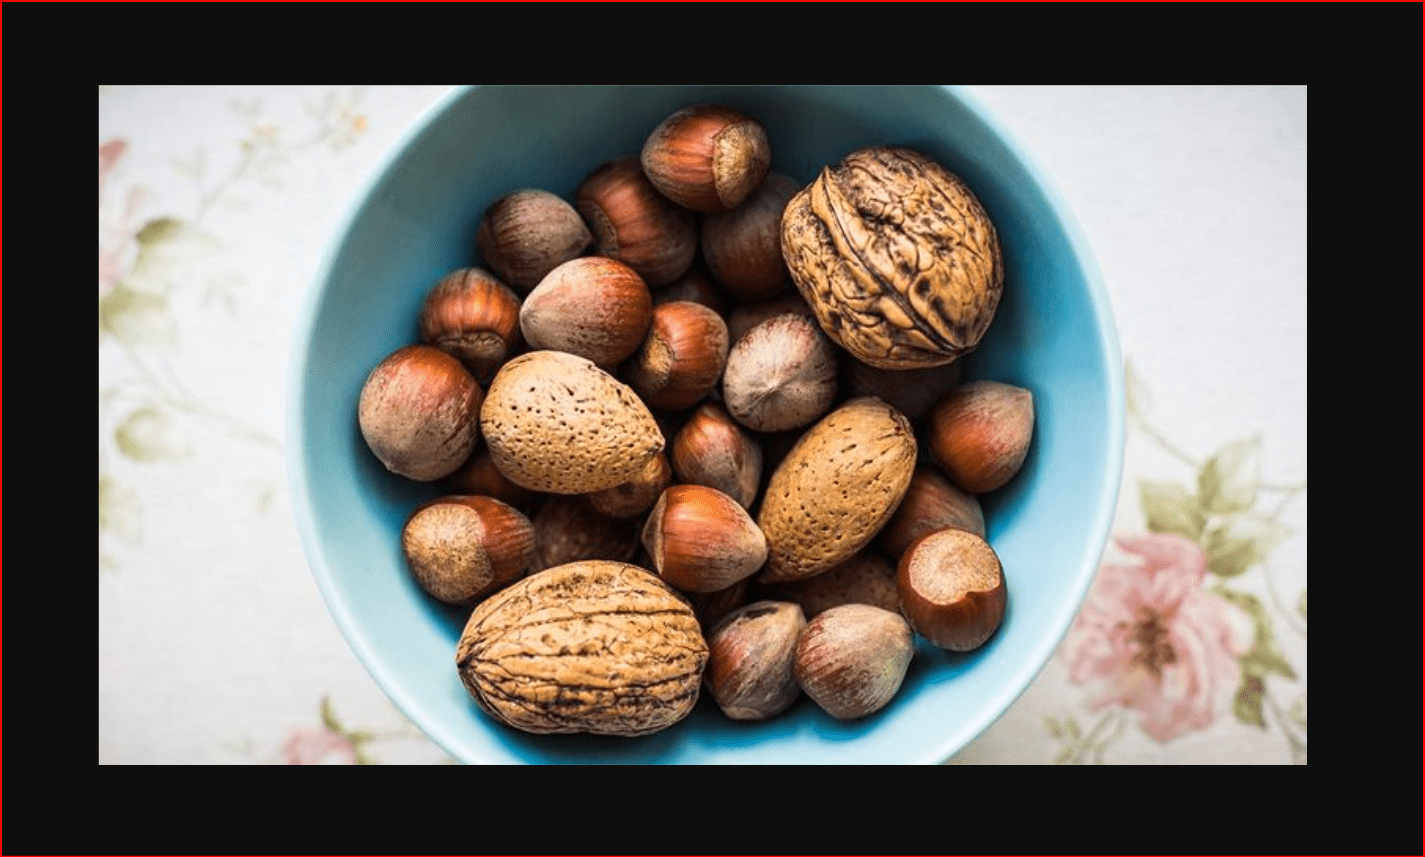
x=595, y=647
x=557, y=423
x=836, y=489
x=896, y=256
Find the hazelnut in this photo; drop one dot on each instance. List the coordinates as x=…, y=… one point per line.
x=866, y=578
x=743, y=247
x=979, y=433
x=592, y=306
x=852, y=659
x=701, y=540
x=682, y=358
x=568, y=529
x=751, y=653
x=463, y=547
x=931, y=503
x=711, y=607
x=527, y=233
x=634, y=223
x=781, y=374
x=712, y=449
x=952, y=589
x=419, y=412
x=475, y=317
x=707, y=157
x=636, y=496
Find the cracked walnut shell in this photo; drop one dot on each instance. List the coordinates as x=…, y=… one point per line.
x=896, y=256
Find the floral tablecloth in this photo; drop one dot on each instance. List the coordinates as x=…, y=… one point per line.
x=215, y=204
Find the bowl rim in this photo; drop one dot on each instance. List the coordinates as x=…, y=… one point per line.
x=935, y=752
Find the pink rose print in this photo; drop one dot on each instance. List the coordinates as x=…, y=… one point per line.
x=1150, y=638
x=318, y=747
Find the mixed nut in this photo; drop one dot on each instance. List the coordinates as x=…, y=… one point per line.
x=701, y=428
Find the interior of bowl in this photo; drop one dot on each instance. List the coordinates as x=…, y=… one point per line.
x=416, y=221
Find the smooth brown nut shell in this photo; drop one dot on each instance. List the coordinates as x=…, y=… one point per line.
x=712, y=449
x=419, y=412
x=637, y=225
x=979, y=433
x=841, y=482
x=479, y=475
x=555, y=422
x=701, y=540
x=707, y=157
x=897, y=257
x=743, y=247
x=681, y=359
x=526, y=233
x=913, y=392
x=852, y=659
x=751, y=656
x=952, y=589
x=592, y=306
x=463, y=547
x=637, y=495
x=597, y=647
x=866, y=578
x=931, y=503
x=475, y=317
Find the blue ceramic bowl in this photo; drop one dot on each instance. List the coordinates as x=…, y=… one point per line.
x=415, y=221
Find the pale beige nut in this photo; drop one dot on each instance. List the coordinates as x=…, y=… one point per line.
x=603, y=648
x=781, y=374
x=896, y=256
x=852, y=659
x=953, y=589
x=751, y=657
x=836, y=489
x=555, y=422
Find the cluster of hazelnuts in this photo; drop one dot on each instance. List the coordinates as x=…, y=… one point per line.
x=666, y=271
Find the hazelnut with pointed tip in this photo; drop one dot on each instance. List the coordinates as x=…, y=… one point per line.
x=634, y=223
x=979, y=433
x=751, y=653
x=931, y=503
x=527, y=233
x=701, y=540
x=474, y=316
x=682, y=357
x=592, y=306
x=419, y=412
x=712, y=449
x=852, y=659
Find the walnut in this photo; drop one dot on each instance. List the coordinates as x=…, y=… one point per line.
x=597, y=647
x=896, y=256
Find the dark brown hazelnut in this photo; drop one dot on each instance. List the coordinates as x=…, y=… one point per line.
x=701, y=540
x=682, y=357
x=472, y=315
x=637, y=225
x=712, y=449
x=743, y=246
x=931, y=503
x=979, y=433
x=707, y=157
